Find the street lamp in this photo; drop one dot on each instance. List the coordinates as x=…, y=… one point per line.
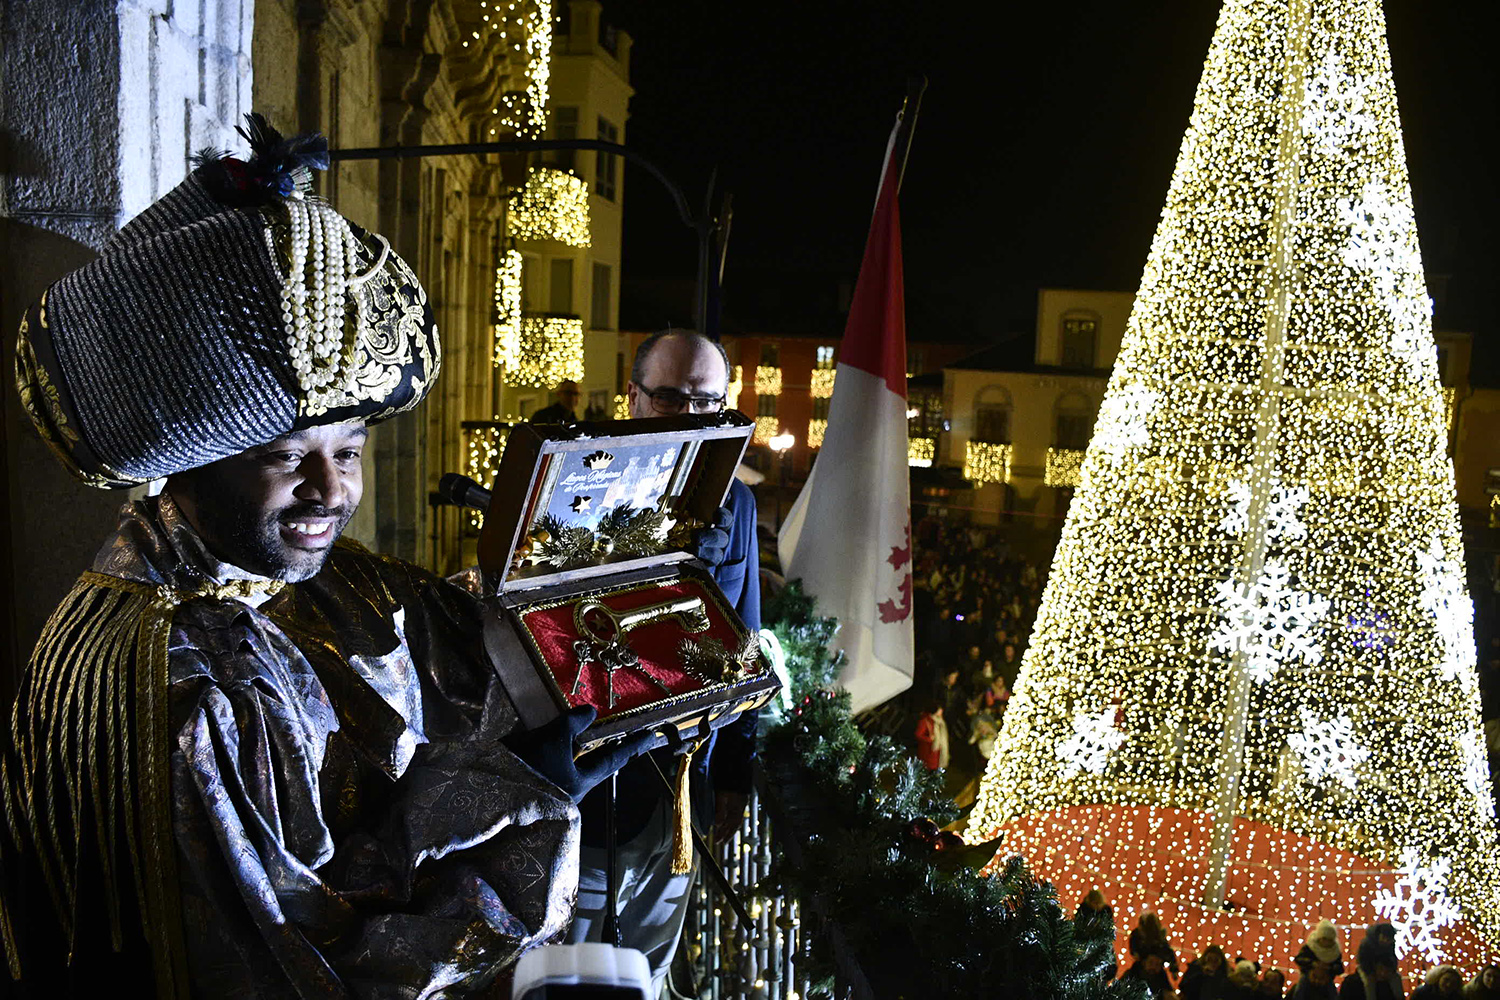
x=781, y=444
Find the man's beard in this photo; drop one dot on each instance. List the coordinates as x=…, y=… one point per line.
x=243, y=536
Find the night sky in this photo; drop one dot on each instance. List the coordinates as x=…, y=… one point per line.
x=1042, y=155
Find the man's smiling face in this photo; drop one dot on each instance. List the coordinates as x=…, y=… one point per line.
x=276, y=510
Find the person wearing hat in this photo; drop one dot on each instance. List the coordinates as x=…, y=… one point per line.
x=249, y=758
x=1320, y=960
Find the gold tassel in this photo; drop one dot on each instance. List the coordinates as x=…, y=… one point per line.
x=682, y=819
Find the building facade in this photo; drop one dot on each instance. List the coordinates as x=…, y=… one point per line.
x=1018, y=429
x=568, y=234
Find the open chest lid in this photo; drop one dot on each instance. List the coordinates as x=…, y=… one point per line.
x=578, y=501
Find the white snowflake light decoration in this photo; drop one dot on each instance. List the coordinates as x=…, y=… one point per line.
x=1381, y=243
x=1122, y=422
x=1335, y=115
x=1477, y=772
x=1094, y=738
x=1418, y=906
x=1283, y=518
x=1381, y=236
x=1442, y=593
x=1328, y=749
x=1269, y=621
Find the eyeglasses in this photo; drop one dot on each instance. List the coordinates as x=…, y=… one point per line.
x=669, y=401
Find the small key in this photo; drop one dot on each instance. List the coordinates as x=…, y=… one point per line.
x=583, y=654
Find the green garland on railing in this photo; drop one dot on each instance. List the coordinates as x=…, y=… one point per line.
x=909, y=903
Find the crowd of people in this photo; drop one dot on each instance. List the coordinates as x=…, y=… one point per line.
x=1320, y=970
x=974, y=603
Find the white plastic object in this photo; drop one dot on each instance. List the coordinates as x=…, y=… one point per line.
x=584, y=965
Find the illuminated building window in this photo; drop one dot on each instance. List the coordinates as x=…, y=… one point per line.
x=765, y=429
x=1080, y=336
x=985, y=462
x=604, y=163
x=825, y=358
x=924, y=413
x=816, y=428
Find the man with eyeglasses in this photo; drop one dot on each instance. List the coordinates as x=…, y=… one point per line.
x=676, y=371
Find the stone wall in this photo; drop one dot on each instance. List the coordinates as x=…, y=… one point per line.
x=102, y=102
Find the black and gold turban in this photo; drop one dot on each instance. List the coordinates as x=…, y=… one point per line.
x=232, y=311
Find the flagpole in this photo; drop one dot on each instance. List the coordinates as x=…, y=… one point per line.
x=916, y=86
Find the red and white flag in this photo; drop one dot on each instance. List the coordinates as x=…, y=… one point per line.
x=848, y=537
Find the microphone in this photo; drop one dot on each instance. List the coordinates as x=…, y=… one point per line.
x=461, y=491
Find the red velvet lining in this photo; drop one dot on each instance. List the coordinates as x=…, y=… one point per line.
x=655, y=643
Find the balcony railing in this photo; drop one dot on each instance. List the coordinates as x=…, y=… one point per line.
x=769, y=959
x=987, y=462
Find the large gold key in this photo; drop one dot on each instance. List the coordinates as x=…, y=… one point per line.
x=602, y=629
x=590, y=613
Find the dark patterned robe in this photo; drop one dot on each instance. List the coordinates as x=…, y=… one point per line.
x=324, y=757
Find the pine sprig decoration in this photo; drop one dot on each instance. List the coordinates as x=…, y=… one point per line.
x=922, y=922
x=622, y=531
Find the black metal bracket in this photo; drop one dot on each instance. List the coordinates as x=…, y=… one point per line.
x=712, y=230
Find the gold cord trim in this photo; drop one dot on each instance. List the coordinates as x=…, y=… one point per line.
x=98, y=680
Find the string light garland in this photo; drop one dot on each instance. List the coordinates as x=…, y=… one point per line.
x=622, y=407
x=508, y=309
x=485, y=443
x=1250, y=699
x=767, y=380
x=985, y=462
x=736, y=386
x=816, y=428
x=552, y=205
x=1063, y=468
x=821, y=385
x=920, y=452
x=551, y=351
x=765, y=429
x=520, y=31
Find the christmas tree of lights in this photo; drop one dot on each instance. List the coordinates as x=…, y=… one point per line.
x=1250, y=700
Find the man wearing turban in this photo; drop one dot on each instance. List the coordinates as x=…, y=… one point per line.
x=249, y=758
